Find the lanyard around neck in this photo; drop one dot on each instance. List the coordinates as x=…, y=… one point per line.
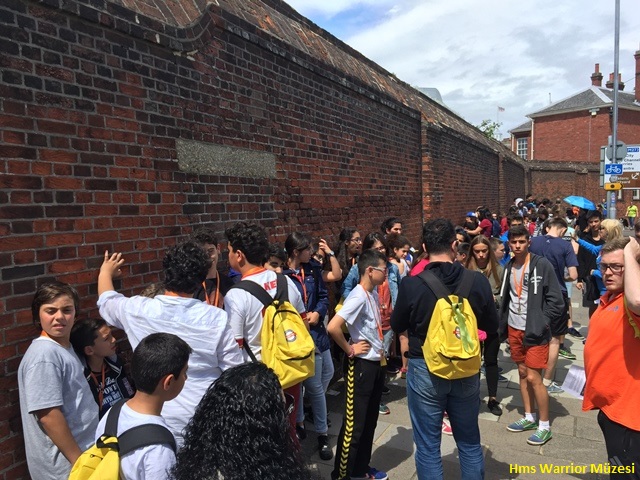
x=206, y=295
x=99, y=386
x=519, y=285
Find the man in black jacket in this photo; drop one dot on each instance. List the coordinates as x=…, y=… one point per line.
x=430, y=395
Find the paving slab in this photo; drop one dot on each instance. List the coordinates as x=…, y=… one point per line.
x=577, y=440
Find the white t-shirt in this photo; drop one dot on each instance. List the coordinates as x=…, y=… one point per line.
x=51, y=375
x=152, y=462
x=361, y=313
x=203, y=327
x=245, y=310
x=518, y=307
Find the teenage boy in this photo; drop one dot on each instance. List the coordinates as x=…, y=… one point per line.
x=531, y=300
x=364, y=361
x=248, y=252
x=96, y=347
x=215, y=286
x=563, y=259
x=429, y=395
x=159, y=370
x=204, y=327
x=57, y=408
x=612, y=356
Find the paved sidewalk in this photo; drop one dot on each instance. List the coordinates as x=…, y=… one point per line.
x=577, y=439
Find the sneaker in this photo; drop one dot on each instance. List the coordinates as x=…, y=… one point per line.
x=403, y=373
x=392, y=369
x=554, y=388
x=540, y=437
x=385, y=390
x=383, y=409
x=323, y=446
x=375, y=474
x=301, y=433
x=446, y=429
x=522, y=425
x=494, y=407
x=574, y=332
x=566, y=353
x=502, y=379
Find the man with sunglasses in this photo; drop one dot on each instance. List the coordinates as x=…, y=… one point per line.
x=612, y=357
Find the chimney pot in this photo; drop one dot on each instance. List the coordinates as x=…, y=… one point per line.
x=609, y=84
x=596, y=77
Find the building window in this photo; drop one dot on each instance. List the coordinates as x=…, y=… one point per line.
x=523, y=143
x=636, y=194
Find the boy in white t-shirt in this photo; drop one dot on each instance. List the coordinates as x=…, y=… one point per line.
x=248, y=252
x=365, y=361
x=159, y=370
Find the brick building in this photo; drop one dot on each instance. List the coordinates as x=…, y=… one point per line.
x=127, y=123
x=561, y=143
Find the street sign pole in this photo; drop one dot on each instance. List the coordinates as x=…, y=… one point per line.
x=614, y=139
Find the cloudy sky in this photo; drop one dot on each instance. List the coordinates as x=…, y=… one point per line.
x=518, y=55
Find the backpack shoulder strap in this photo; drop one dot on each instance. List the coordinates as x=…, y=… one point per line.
x=282, y=293
x=256, y=290
x=143, y=436
x=111, y=428
x=436, y=285
x=465, y=285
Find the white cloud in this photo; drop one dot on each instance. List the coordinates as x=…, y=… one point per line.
x=482, y=55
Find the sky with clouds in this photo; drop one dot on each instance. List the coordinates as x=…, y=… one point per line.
x=518, y=55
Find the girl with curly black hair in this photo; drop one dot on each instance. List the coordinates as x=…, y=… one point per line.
x=241, y=430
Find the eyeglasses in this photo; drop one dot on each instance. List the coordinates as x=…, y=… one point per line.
x=380, y=269
x=614, y=267
x=356, y=240
x=289, y=404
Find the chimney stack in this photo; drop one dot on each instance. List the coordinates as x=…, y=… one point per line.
x=637, y=57
x=609, y=84
x=596, y=77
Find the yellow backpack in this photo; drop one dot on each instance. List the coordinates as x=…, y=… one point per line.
x=287, y=345
x=102, y=460
x=451, y=347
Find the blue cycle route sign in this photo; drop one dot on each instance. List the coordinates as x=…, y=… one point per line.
x=613, y=169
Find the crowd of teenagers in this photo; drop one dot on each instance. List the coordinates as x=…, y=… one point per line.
x=196, y=337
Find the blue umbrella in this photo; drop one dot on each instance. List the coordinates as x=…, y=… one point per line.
x=580, y=202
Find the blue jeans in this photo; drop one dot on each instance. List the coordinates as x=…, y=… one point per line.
x=429, y=396
x=316, y=387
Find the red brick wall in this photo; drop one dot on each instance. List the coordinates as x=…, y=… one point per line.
x=570, y=137
x=92, y=104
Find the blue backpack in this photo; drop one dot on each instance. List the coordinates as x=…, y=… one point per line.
x=495, y=229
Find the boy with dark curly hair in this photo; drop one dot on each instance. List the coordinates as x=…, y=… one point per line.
x=204, y=327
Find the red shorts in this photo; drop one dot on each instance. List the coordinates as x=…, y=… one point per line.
x=533, y=357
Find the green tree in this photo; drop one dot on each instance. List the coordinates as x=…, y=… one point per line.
x=490, y=128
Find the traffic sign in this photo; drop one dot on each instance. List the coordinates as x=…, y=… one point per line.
x=629, y=176
x=613, y=169
x=621, y=151
x=613, y=186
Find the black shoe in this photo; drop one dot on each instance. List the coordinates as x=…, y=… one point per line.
x=323, y=446
x=494, y=407
x=301, y=433
x=385, y=390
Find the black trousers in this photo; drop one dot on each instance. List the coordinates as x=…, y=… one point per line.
x=623, y=446
x=364, y=380
x=491, y=348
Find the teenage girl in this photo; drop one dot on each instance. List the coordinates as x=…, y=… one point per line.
x=398, y=248
x=482, y=259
